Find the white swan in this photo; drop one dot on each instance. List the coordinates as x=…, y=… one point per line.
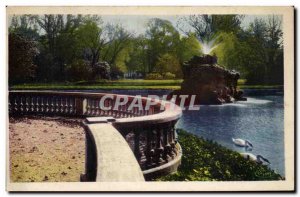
x=258, y=158
x=241, y=142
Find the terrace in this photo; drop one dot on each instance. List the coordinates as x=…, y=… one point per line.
x=123, y=143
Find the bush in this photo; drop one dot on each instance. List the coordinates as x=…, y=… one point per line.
x=205, y=160
x=78, y=70
x=154, y=76
x=169, y=75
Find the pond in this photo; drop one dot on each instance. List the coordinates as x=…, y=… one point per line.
x=259, y=120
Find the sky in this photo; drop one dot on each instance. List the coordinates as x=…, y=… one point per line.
x=137, y=24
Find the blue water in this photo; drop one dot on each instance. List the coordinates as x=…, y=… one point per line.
x=259, y=120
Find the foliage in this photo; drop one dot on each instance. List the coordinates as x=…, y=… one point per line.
x=169, y=75
x=63, y=41
x=154, y=76
x=78, y=70
x=101, y=70
x=207, y=27
x=21, y=55
x=257, y=52
x=168, y=63
x=24, y=25
x=188, y=47
x=205, y=160
x=116, y=73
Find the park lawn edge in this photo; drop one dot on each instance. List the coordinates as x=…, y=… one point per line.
x=122, y=87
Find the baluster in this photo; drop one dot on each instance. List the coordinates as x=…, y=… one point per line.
x=32, y=104
x=97, y=113
x=47, y=105
x=104, y=105
x=91, y=107
x=101, y=111
x=172, y=142
x=124, y=111
x=27, y=99
x=21, y=104
x=167, y=146
x=70, y=106
x=61, y=105
x=159, y=148
x=95, y=107
x=111, y=109
x=150, y=149
x=108, y=104
x=134, y=112
x=66, y=106
x=42, y=106
x=16, y=104
x=37, y=106
x=137, y=152
x=57, y=105
x=52, y=106
x=94, y=102
x=113, y=113
x=88, y=106
x=10, y=110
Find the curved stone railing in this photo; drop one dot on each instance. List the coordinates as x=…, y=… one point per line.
x=149, y=133
x=71, y=104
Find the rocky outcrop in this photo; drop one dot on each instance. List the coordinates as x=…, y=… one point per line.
x=210, y=82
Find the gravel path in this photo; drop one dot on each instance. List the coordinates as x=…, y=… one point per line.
x=45, y=150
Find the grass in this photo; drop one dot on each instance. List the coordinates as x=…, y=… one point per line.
x=119, y=84
x=205, y=160
x=124, y=84
x=260, y=86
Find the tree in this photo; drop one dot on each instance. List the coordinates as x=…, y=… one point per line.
x=208, y=27
x=21, y=59
x=119, y=39
x=256, y=51
x=91, y=40
x=162, y=38
x=25, y=26
x=137, y=57
x=168, y=63
x=188, y=47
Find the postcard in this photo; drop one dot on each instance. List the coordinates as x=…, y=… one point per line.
x=147, y=99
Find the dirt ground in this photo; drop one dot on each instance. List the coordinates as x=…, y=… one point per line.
x=46, y=150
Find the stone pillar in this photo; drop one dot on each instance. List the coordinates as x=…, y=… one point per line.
x=80, y=106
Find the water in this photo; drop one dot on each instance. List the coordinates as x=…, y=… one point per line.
x=259, y=120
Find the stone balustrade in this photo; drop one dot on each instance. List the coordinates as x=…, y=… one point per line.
x=149, y=133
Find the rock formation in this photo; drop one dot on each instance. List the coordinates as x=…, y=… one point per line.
x=211, y=83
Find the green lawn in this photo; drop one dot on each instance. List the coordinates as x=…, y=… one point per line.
x=118, y=84
x=124, y=84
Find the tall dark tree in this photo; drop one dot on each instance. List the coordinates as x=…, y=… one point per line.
x=21, y=59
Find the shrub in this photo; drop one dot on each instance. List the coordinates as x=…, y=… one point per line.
x=205, y=160
x=78, y=70
x=169, y=75
x=154, y=76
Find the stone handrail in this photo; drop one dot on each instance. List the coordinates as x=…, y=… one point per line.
x=71, y=104
x=149, y=133
x=110, y=163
